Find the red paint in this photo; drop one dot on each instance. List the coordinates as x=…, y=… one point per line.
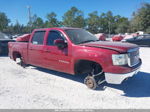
x=23, y=38
x=64, y=60
x=101, y=36
x=117, y=38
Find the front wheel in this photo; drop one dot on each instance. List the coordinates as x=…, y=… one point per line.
x=95, y=78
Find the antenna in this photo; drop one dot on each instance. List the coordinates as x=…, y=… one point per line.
x=29, y=15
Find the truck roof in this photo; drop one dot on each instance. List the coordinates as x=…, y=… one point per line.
x=56, y=28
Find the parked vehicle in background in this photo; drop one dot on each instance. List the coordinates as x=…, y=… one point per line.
x=4, y=39
x=141, y=40
x=16, y=35
x=117, y=38
x=76, y=51
x=129, y=36
x=101, y=36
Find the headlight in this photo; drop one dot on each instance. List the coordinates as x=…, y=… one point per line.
x=120, y=59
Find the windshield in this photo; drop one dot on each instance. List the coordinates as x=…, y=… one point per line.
x=79, y=36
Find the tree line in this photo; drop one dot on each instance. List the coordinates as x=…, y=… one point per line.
x=95, y=23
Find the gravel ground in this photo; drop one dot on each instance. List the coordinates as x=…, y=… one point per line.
x=40, y=88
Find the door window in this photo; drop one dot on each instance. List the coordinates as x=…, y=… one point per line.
x=38, y=37
x=53, y=35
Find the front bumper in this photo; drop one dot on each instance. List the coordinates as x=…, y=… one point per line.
x=119, y=78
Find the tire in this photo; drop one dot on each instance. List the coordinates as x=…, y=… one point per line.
x=90, y=82
x=21, y=62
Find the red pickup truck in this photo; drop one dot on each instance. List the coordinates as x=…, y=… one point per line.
x=76, y=51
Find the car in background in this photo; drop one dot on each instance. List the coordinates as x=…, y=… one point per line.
x=117, y=38
x=129, y=36
x=141, y=40
x=101, y=36
x=4, y=39
x=16, y=35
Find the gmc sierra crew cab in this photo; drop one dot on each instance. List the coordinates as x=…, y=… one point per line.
x=77, y=51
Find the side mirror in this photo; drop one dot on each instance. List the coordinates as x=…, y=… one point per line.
x=60, y=43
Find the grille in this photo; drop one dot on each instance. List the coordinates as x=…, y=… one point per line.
x=133, y=57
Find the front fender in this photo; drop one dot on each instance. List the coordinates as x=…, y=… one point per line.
x=102, y=56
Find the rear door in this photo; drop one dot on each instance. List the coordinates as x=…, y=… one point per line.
x=35, y=49
x=55, y=58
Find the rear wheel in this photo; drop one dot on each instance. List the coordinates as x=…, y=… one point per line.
x=20, y=62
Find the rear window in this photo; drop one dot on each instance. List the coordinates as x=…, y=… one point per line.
x=38, y=37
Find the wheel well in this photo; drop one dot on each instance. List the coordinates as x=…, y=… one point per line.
x=16, y=55
x=85, y=66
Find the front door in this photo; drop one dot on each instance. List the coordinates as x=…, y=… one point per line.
x=55, y=58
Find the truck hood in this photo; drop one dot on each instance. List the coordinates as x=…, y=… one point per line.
x=116, y=46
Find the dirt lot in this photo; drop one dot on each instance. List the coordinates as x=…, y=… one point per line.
x=34, y=87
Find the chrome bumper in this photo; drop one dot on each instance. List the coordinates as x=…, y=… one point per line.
x=119, y=78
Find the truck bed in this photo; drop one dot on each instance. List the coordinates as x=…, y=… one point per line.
x=20, y=47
